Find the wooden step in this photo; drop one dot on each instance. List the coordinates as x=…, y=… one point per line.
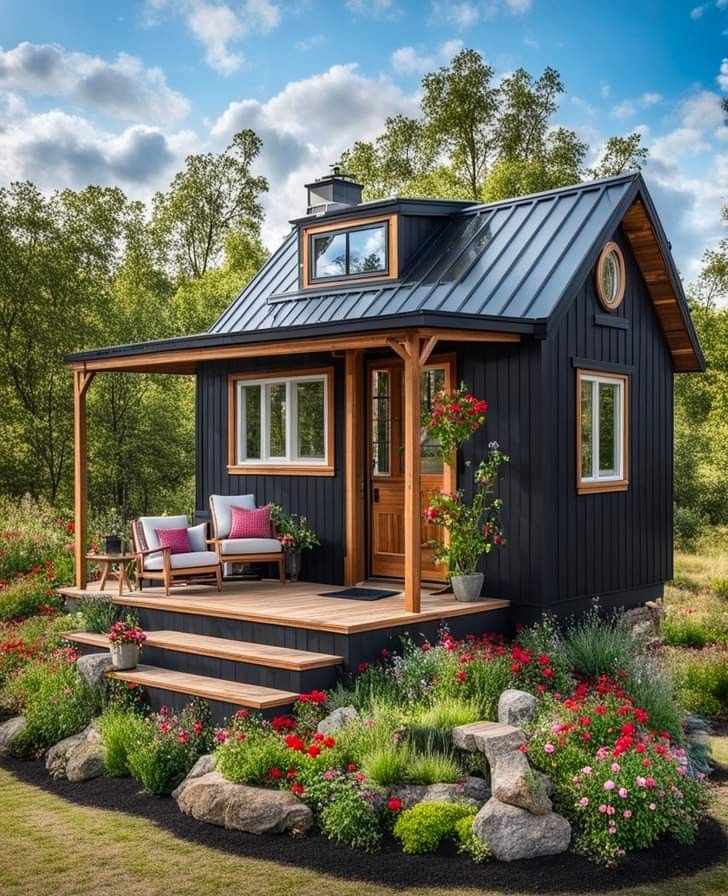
x=224, y=649
x=251, y=695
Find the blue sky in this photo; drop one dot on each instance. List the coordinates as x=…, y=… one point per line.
x=120, y=92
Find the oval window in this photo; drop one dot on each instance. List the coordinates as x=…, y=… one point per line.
x=610, y=277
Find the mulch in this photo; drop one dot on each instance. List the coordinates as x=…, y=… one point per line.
x=564, y=874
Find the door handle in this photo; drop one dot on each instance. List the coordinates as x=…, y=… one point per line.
x=375, y=495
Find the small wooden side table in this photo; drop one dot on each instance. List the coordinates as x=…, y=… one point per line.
x=113, y=566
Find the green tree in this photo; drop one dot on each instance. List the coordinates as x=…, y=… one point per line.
x=620, y=154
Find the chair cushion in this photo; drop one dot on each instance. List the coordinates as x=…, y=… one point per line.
x=220, y=506
x=183, y=561
x=150, y=524
x=250, y=523
x=250, y=546
x=177, y=540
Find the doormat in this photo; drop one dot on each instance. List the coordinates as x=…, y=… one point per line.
x=360, y=593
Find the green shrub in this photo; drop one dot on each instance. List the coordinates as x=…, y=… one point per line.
x=652, y=689
x=448, y=714
x=433, y=767
x=686, y=628
x=701, y=678
x=688, y=526
x=595, y=645
x=32, y=639
x=469, y=842
x=480, y=682
x=119, y=730
x=29, y=595
x=353, y=818
x=161, y=751
x=250, y=761
x=98, y=614
x=55, y=699
x=424, y=827
x=33, y=535
x=685, y=583
x=387, y=765
x=720, y=588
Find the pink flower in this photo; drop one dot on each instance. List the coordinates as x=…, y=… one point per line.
x=652, y=807
x=611, y=810
x=623, y=792
x=586, y=770
x=615, y=767
x=650, y=783
x=640, y=781
x=627, y=813
x=603, y=808
x=609, y=785
x=548, y=748
x=584, y=802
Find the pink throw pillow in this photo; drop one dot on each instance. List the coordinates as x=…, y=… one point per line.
x=177, y=540
x=250, y=523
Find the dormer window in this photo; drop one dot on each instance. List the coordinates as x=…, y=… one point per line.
x=362, y=250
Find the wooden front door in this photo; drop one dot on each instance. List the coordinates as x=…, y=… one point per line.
x=386, y=466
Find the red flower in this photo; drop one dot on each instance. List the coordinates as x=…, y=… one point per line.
x=242, y=713
x=183, y=737
x=198, y=728
x=352, y=767
x=394, y=805
x=293, y=742
x=461, y=675
x=314, y=751
x=329, y=742
x=283, y=723
x=362, y=667
x=548, y=672
x=297, y=789
x=291, y=774
x=276, y=774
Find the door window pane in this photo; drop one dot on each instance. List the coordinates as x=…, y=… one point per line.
x=587, y=432
x=608, y=429
x=310, y=420
x=250, y=405
x=329, y=255
x=367, y=250
x=432, y=382
x=276, y=419
x=381, y=422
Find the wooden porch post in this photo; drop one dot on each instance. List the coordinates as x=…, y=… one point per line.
x=354, y=467
x=81, y=382
x=412, y=500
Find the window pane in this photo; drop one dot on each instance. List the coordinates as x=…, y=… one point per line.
x=367, y=250
x=431, y=382
x=276, y=419
x=587, y=434
x=329, y=255
x=611, y=277
x=310, y=423
x=608, y=429
x=381, y=422
x=250, y=404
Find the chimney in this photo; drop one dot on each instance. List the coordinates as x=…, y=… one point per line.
x=335, y=191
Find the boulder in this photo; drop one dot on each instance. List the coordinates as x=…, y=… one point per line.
x=9, y=731
x=93, y=667
x=204, y=765
x=255, y=810
x=337, y=720
x=516, y=783
x=491, y=738
x=469, y=792
x=79, y=757
x=513, y=833
x=516, y=707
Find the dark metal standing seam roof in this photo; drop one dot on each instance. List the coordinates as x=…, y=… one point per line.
x=512, y=259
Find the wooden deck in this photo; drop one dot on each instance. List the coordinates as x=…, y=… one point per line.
x=297, y=605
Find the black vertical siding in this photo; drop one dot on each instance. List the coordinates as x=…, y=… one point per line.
x=321, y=498
x=619, y=542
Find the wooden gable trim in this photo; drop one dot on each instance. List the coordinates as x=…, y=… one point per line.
x=645, y=245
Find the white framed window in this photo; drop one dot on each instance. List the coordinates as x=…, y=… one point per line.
x=282, y=422
x=602, y=431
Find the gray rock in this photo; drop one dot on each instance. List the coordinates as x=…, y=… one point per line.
x=337, y=720
x=83, y=752
x=516, y=707
x=93, y=667
x=491, y=738
x=516, y=783
x=476, y=789
x=465, y=792
x=513, y=833
x=255, y=810
x=204, y=765
x=9, y=731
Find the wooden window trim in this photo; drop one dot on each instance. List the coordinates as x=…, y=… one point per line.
x=280, y=469
x=607, y=303
x=392, y=271
x=609, y=485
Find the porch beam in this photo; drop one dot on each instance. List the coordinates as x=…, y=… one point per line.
x=412, y=464
x=354, y=436
x=81, y=381
x=428, y=348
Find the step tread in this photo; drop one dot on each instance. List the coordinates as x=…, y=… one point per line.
x=254, y=696
x=223, y=648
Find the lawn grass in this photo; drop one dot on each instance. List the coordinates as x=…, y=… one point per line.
x=49, y=845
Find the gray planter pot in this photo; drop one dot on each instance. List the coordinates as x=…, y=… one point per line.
x=293, y=565
x=467, y=588
x=124, y=656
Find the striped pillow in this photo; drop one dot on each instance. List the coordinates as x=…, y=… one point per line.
x=250, y=523
x=177, y=540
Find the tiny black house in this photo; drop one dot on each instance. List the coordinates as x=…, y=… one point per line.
x=563, y=309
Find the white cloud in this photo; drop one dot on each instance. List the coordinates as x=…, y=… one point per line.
x=650, y=99
x=697, y=11
x=374, y=9
x=123, y=88
x=408, y=61
x=219, y=26
x=625, y=109
x=308, y=43
x=450, y=48
x=722, y=77
x=518, y=7
x=604, y=90
x=630, y=107
x=464, y=14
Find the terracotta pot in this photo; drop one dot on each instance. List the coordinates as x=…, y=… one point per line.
x=467, y=588
x=124, y=656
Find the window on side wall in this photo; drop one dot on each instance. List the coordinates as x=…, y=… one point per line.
x=602, y=431
x=281, y=423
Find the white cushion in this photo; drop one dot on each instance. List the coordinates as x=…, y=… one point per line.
x=182, y=561
x=197, y=536
x=250, y=546
x=151, y=523
x=221, y=515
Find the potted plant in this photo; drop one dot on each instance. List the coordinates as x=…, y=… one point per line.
x=125, y=639
x=295, y=536
x=473, y=528
x=110, y=527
